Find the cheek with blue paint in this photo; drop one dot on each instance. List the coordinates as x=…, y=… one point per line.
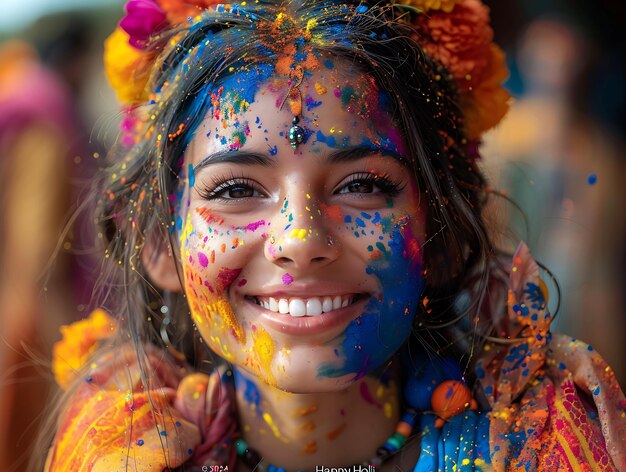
x=387, y=319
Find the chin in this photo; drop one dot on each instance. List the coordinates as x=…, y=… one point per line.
x=302, y=379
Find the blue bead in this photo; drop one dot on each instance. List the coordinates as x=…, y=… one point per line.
x=420, y=385
x=409, y=418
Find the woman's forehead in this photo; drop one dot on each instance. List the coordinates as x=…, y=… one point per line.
x=339, y=106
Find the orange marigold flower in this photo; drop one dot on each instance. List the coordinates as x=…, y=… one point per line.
x=126, y=68
x=178, y=12
x=78, y=343
x=488, y=101
x=425, y=5
x=459, y=40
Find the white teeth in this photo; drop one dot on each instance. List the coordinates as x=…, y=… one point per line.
x=297, y=307
x=283, y=306
x=327, y=304
x=313, y=307
x=273, y=304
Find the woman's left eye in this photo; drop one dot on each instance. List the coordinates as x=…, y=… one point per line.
x=370, y=183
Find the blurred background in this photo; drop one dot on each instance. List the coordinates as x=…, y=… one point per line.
x=560, y=155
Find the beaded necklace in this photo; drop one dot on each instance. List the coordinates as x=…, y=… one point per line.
x=404, y=429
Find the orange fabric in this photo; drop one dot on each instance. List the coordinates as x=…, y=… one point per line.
x=113, y=423
x=556, y=404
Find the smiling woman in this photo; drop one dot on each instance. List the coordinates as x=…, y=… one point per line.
x=300, y=269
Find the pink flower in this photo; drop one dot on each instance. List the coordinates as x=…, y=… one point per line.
x=143, y=19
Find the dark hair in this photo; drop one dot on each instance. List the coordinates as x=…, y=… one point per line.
x=139, y=188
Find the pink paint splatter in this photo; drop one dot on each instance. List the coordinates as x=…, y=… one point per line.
x=287, y=279
x=367, y=396
x=252, y=226
x=242, y=282
x=203, y=259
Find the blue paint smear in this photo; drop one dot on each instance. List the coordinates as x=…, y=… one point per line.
x=311, y=103
x=192, y=176
x=250, y=390
x=329, y=64
x=329, y=140
x=386, y=321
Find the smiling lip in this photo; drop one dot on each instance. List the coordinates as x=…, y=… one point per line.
x=334, y=321
x=328, y=323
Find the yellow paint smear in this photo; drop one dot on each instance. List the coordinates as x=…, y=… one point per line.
x=224, y=310
x=298, y=233
x=264, y=350
x=270, y=422
x=320, y=89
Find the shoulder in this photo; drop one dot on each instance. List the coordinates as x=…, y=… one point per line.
x=139, y=410
x=554, y=401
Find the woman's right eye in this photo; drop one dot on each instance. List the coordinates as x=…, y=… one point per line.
x=231, y=190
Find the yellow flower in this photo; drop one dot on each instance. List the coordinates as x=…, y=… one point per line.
x=425, y=5
x=78, y=344
x=124, y=68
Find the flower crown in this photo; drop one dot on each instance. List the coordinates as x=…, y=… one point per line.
x=454, y=33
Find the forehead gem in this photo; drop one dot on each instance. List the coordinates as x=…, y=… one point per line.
x=296, y=133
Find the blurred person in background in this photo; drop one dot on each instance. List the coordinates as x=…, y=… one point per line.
x=45, y=163
x=563, y=171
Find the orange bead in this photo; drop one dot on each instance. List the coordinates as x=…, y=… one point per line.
x=404, y=429
x=450, y=398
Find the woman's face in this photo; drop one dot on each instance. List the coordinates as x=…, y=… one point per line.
x=304, y=266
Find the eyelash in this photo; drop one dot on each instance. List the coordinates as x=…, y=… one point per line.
x=382, y=181
x=223, y=184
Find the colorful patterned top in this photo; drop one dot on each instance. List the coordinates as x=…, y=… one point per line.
x=553, y=403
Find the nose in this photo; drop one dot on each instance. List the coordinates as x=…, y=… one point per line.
x=304, y=241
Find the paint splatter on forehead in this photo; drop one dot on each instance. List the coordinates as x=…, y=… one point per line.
x=331, y=80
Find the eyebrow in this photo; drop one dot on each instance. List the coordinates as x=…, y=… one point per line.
x=242, y=158
x=350, y=154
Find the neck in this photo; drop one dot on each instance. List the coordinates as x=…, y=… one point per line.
x=303, y=431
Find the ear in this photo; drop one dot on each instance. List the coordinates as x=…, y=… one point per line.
x=160, y=265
